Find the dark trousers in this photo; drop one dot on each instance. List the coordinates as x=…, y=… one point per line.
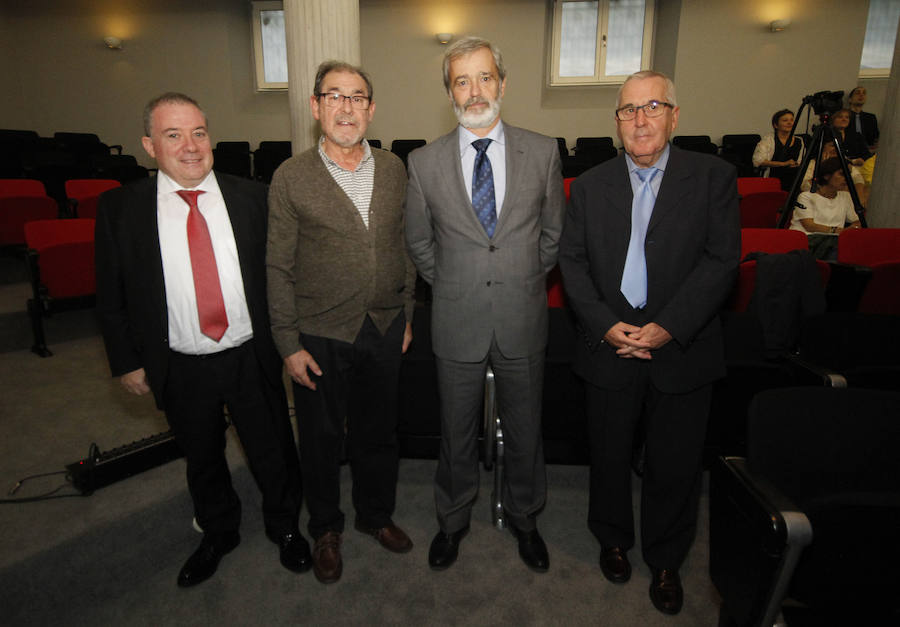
x=675, y=427
x=356, y=396
x=198, y=389
x=519, y=384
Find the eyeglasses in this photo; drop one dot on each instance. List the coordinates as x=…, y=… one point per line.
x=333, y=99
x=652, y=109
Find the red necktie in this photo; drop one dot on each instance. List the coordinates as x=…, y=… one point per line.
x=210, y=304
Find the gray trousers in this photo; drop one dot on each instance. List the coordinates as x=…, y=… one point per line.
x=519, y=385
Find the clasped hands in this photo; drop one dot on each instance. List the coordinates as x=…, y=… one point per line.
x=632, y=342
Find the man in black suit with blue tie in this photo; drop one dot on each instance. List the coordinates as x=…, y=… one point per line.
x=648, y=253
x=181, y=297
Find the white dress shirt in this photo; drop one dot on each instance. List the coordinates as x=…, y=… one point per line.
x=496, y=152
x=181, y=299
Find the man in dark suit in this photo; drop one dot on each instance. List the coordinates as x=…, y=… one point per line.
x=484, y=211
x=863, y=122
x=181, y=297
x=649, y=251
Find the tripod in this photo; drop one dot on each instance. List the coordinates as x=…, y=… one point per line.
x=823, y=132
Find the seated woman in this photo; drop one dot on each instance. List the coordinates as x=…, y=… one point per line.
x=852, y=143
x=826, y=212
x=772, y=151
x=830, y=152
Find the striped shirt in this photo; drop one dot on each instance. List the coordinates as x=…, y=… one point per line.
x=358, y=183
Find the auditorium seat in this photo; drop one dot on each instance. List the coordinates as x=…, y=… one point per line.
x=61, y=267
x=695, y=143
x=16, y=211
x=83, y=194
x=268, y=156
x=761, y=209
x=738, y=150
x=866, y=247
x=755, y=184
x=402, y=147
x=232, y=157
x=810, y=515
x=882, y=293
x=22, y=187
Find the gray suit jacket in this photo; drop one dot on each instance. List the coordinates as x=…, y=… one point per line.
x=484, y=287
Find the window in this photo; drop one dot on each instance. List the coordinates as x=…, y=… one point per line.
x=881, y=33
x=269, y=46
x=600, y=42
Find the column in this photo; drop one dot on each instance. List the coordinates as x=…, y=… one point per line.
x=884, y=208
x=316, y=30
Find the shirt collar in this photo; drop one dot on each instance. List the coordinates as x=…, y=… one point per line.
x=367, y=153
x=466, y=137
x=165, y=184
x=659, y=165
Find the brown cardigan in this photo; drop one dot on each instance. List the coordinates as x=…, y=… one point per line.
x=326, y=271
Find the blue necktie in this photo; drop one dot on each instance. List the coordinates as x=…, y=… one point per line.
x=483, y=188
x=634, y=277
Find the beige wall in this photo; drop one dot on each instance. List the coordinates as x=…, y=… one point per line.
x=71, y=82
x=731, y=72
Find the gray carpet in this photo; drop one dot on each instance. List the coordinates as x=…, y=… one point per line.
x=112, y=558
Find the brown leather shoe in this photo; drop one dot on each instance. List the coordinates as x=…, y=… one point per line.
x=327, y=562
x=666, y=592
x=391, y=537
x=614, y=564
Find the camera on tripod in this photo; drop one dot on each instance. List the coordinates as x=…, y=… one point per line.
x=824, y=103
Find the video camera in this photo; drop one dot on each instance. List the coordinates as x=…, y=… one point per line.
x=825, y=102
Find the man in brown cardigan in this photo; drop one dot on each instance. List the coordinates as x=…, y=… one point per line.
x=341, y=299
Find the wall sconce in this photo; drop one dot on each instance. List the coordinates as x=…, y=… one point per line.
x=113, y=43
x=444, y=38
x=776, y=26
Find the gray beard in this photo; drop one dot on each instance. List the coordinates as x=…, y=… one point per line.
x=480, y=120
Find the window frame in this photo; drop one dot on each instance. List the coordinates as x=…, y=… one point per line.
x=879, y=72
x=258, y=6
x=599, y=78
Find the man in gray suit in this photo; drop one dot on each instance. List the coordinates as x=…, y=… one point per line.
x=484, y=211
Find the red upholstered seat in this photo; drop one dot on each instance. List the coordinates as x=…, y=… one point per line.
x=756, y=184
x=22, y=187
x=772, y=241
x=65, y=251
x=760, y=209
x=15, y=211
x=83, y=195
x=867, y=247
x=882, y=293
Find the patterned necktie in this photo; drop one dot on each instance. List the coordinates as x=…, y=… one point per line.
x=634, y=277
x=210, y=304
x=483, y=188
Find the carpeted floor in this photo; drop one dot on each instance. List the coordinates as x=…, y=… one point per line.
x=112, y=558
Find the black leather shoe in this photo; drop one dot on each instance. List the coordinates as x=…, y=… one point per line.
x=202, y=564
x=293, y=551
x=666, y=592
x=614, y=564
x=532, y=549
x=445, y=548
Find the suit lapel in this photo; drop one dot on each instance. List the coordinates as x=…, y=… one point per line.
x=147, y=248
x=456, y=183
x=515, y=157
x=671, y=190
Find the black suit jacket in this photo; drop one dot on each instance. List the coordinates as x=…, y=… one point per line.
x=869, y=125
x=131, y=293
x=692, y=250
